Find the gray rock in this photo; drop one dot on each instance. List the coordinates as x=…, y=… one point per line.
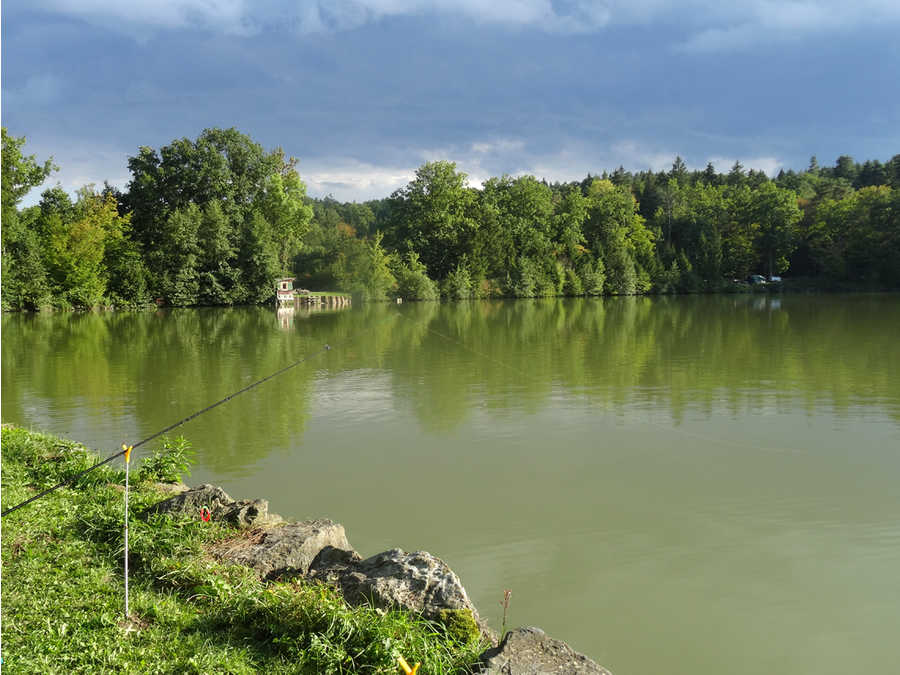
x=417, y=582
x=171, y=488
x=285, y=550
x=241, y=513
x=530, y=651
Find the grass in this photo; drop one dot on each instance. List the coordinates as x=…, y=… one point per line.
x=63, y=591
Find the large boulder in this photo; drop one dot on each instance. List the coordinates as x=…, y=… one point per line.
x=418, y=582
x=284, y=550
x=530, y=651
x=241, y=513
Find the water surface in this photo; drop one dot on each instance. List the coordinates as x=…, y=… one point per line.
x=678, y=485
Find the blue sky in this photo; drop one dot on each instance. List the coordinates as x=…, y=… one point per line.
x=365, y=91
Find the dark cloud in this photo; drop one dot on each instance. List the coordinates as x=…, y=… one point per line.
x=384, y=86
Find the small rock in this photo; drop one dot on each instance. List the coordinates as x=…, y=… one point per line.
x=172, y=488
x=417, y=582
x=242, y=513
x=288, y=549
x=530, y=651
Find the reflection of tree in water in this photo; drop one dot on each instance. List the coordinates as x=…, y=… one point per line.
x=736, y=353
x=745, y=352
x=159, y=367
x=212, y=353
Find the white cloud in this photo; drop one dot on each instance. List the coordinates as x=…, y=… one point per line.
x=498, y=146
x=712, y=25
x=222, y=14
x=349, y=179
x=768, y=21
x=636, y=157
x=239, y=17
x=79, y=164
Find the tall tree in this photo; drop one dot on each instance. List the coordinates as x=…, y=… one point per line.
x=679, y=171
x=25, y=283
x=736, y=175
x=177, y=257
x=20, y=173
x=845, y=167
x=777, y=213
x=282, y=204
x=619, y=237
x=259, y=194
x=76, y=241
x=433, y=217
x=813, y=167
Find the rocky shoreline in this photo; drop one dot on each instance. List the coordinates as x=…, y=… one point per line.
x=418, y=582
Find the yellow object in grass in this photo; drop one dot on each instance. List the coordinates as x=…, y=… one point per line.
x=405, y=666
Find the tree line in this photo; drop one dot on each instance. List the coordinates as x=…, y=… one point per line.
x=215, y=220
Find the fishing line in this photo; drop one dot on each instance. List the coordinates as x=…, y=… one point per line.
x=159, y=433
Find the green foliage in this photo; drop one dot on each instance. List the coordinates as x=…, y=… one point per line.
x=63, y=595
x=218, y=267
x=433, y=216
x=20, y=173
x=858, y=237
x=127, y=280
x=777, y=213
x=364, y=269
x=412, y=280
x=524, y=280
x=282, y=204
x=459, y=284
x=377, y=278
x=619, y=237
x=215, y=220
x=177, y=260
x=621, y=276
x=25, y=282
x=573, y=285
x=169, y=462
x=593, y=276
x=239, y=208
x=259, y=256
x=461, y=625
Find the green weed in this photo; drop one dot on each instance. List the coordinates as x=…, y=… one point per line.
x=169, y=462
x=63, y=590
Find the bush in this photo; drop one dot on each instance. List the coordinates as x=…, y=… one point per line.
x=413, y=282
x=458, y=284
x=168, y=462
x=526, y=280
x=572, y=285
x=593, y=277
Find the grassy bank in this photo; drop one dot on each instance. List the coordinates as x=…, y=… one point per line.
x=63, y=589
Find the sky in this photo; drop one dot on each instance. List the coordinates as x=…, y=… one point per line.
x=363, y=92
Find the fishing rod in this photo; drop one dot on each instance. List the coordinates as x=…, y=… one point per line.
x=126, y=448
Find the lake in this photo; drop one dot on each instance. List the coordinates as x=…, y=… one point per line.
x=671, y=485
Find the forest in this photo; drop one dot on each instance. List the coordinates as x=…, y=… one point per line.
x=215, y=220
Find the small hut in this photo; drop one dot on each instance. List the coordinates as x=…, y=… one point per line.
x=284, y=291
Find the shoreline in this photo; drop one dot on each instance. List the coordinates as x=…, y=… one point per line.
x=790, y=287
x=241, y=560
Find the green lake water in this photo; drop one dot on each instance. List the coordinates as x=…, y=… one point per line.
x=671, y=485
